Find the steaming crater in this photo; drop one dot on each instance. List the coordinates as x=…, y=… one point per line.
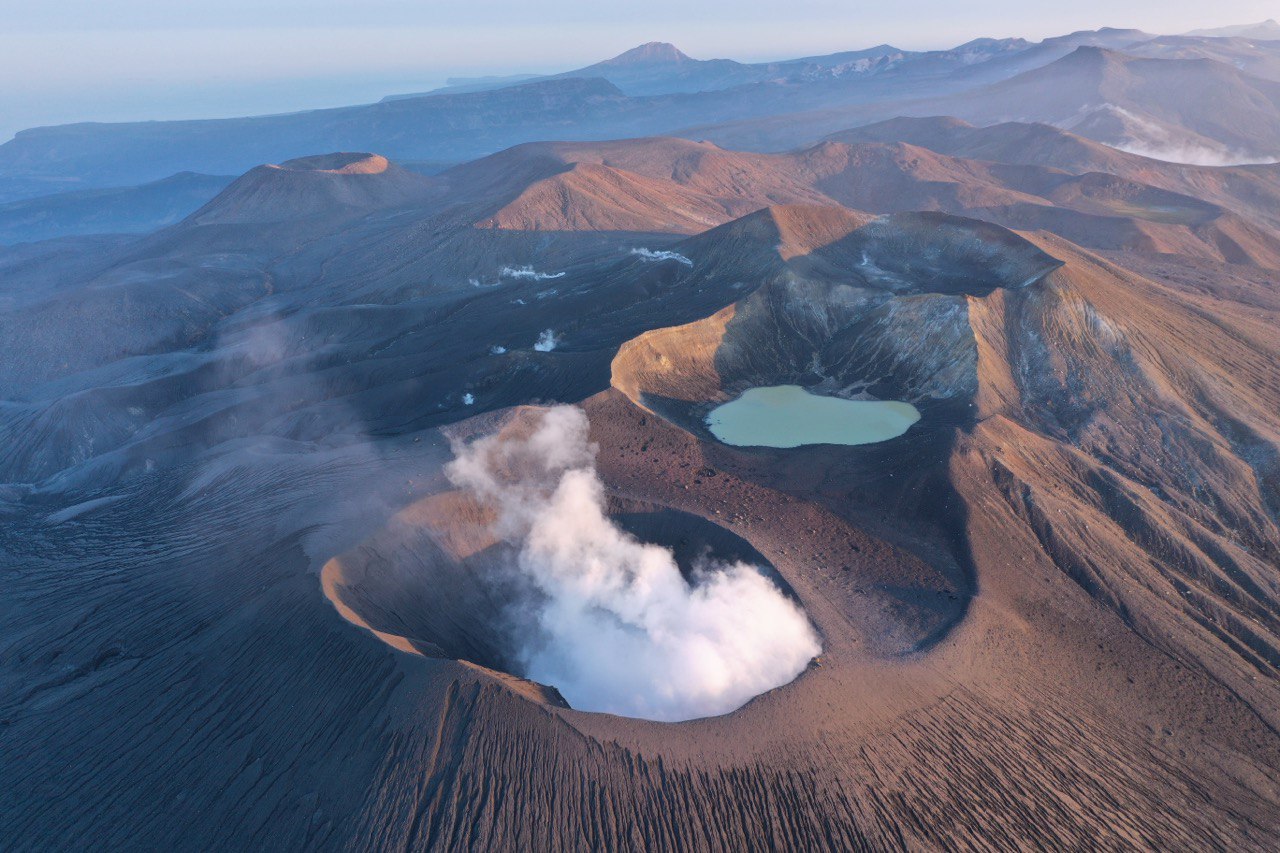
x=526, y=568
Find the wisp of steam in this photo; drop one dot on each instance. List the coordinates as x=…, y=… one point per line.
x=618, y=628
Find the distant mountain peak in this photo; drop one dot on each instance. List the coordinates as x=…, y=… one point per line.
x=650, y=53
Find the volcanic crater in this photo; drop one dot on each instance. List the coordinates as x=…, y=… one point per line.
x=864, y=309
x=881, y=313
x=438, y=581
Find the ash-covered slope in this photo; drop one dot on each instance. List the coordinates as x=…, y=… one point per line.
x=1095, y=209
x=356, y=226
x=1058, y=586
x=1138, y=458
x=656, y=184
x=1099, y=408
x=589, y=197
x=677, y=186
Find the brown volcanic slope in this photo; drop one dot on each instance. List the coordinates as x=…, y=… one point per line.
x=1049, y=610
x=1025, y=143
x=1250, y=190
x=1095, y=209
x=1058, y=590
x=357, y=226
x=1122, y=426
x=652, y=184
x=676, y=186
x=590, y=197
x=553, y=208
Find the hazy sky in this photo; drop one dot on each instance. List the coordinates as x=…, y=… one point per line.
x=75, y=60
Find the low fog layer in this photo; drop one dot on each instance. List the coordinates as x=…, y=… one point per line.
x=619, y=629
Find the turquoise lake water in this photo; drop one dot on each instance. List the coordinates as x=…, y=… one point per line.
x=789, y=416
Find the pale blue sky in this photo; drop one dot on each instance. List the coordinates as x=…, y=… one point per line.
x=70, y=60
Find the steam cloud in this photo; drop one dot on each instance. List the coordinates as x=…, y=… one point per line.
x=1194, y=155
x=528, y=272
x=652, y=256
x=1148, y=139
x=547, y=341
x=618, y=628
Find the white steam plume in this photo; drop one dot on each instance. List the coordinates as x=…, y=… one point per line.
x=621, y=631
x=1192, y=154
x=547, y=341
x=652, y=256
x=1149, y=139
x=528, y=272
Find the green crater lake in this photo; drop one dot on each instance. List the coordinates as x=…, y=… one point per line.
x=789, y=416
